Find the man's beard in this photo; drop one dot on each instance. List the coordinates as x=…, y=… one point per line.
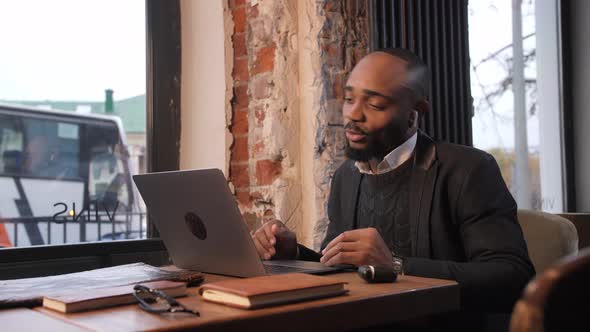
x=379, y=143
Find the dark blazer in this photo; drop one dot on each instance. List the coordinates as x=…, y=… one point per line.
x=463, y=223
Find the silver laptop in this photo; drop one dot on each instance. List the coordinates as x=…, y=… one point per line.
x=201, y=226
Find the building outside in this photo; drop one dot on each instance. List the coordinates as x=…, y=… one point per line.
x=130, y=110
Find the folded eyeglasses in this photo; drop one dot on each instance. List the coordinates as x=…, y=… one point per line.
x=156, y=301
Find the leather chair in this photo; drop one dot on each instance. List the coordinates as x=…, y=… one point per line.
x=582, y=223
x=548, y=237
x=557, y=299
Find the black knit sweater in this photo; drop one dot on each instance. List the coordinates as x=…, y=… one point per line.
x=383, y=204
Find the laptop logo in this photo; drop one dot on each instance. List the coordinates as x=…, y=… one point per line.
x=195, y=225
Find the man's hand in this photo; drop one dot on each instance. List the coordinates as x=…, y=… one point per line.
x=357, y=247
x=274, y=240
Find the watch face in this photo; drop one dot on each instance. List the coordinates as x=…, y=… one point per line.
x=398, y=265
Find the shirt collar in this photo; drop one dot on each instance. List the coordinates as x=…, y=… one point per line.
x=393, y=159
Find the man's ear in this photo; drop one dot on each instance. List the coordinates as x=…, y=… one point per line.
x=422, y=106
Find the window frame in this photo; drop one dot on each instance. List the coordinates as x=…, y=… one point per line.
x=163, y=65
x=567, y=111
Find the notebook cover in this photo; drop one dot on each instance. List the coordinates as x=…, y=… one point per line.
x=249, y=287
x=106, y=297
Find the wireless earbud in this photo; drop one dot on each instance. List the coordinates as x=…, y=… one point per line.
x=413, y=120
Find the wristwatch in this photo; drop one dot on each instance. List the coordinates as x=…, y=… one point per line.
x=398, y=263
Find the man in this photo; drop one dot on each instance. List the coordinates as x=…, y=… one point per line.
x=426, y=208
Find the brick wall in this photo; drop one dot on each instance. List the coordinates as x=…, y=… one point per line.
x=264, y=108
x=265, y=155
x=239, y=173
x=344, y=41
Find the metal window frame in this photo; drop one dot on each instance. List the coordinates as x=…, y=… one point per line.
x=163, y=142
x=567, y=112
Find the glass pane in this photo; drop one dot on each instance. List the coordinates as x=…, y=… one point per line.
x=510, y=113
x=72, y=121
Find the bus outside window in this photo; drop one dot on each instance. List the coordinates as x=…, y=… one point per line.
x=65, y=178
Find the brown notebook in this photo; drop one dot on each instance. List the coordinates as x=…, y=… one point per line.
x=107, y=297
x=257, y=292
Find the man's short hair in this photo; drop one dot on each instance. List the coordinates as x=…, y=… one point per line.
x=418, y=80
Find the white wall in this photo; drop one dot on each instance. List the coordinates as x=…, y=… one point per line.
x=310, y=22
x=204, y=137
x=580, y=30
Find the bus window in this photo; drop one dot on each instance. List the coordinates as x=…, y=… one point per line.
x=108, y=160
x=52, y=149
x=11, y=146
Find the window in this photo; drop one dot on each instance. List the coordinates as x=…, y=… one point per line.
x=73, y=121
x=101, y=139
x=515, y=71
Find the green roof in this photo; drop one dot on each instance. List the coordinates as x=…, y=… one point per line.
x=132, y=111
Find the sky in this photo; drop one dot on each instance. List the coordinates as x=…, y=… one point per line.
x=75, y=49
x=490, y=29
x=72, y=49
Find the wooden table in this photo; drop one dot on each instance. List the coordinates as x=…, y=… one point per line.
x=364, y=305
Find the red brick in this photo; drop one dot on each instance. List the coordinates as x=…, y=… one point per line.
x=332, y=53
x=239, y=150
x=258, y=148
x=332, y=5
x=259, y=114
x=240, y=45
x=243, y=197
x=331, y=49
x=256, y=195
x=240, y=176
x=241, y=70
x=338, y=86
x=240, y=123
x=265, y=60
x=236, y=3
x=359, y=53
x=239, y=15
x=241, y=99
x=267, y=171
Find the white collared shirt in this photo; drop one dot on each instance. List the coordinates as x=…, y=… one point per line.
x=393, y=159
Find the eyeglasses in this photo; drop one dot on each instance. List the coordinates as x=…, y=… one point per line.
x=156, y=301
